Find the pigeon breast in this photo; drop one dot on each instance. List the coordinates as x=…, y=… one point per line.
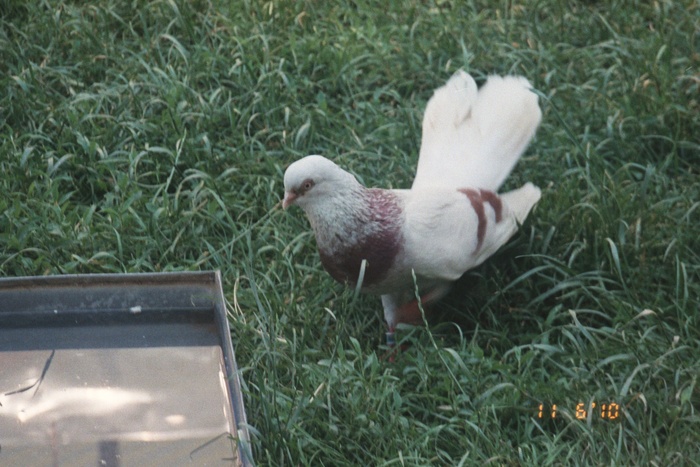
x=371, y=231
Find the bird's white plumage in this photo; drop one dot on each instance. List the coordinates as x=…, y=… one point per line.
x=451, y=220
x=474, y=138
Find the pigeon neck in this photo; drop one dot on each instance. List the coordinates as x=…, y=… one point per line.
x=339, y=211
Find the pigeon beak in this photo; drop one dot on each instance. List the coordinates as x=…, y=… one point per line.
x=289, y=198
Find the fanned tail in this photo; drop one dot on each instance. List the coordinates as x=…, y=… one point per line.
x=474, y=138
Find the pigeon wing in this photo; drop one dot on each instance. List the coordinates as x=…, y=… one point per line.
x=447, y=231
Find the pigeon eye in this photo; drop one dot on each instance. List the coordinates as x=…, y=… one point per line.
x=307, y=185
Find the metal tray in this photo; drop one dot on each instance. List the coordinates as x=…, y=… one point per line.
x=119, y=370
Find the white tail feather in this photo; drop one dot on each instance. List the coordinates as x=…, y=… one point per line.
x=474, y=138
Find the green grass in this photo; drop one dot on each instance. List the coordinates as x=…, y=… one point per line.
x=153, y=136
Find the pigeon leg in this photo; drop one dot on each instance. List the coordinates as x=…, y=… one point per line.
x=390, y=304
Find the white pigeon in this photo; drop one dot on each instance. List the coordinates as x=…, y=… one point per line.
x=452, y=218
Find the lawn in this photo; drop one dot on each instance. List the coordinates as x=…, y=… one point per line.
x=146, y=136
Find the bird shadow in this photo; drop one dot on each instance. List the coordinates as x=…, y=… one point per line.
x=479, y=307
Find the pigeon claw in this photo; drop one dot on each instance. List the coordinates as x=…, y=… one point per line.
x=393, y=349
x=390, y=355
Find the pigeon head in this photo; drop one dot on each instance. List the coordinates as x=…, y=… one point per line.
x=312, y=180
